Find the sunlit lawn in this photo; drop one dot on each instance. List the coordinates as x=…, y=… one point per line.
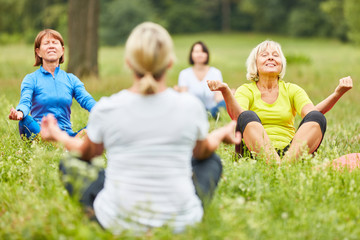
x=253, y=201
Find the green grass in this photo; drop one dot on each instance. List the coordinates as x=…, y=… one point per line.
x=253, y=201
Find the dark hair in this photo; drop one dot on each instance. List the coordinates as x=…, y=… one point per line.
x=37, y=43
x=204, y=48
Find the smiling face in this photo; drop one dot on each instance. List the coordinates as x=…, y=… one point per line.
x=50, y=49
x=269, y=62
x=199, y=56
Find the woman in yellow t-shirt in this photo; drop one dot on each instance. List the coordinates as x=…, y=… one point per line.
x=265, y=109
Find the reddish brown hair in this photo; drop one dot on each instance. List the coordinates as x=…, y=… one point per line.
x=39, y=37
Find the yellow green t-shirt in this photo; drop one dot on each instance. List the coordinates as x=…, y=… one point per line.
x=277, y=118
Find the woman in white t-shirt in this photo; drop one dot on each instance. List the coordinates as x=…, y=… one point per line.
x=161, y=165
x=194, y=79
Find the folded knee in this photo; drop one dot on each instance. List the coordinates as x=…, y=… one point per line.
x=245, y=118
x=318, y=117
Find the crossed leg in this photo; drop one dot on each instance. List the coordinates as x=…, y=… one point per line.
x=308, y=137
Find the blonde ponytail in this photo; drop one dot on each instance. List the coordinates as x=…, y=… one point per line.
x=149, y=51
x=148, y=84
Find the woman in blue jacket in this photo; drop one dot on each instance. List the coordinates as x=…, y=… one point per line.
x=49, y=89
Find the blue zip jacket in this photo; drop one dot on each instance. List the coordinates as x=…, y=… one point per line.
x=41, y=94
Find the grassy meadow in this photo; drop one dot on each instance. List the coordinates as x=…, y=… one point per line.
x=253, y=200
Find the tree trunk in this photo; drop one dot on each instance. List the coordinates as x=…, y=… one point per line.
x=225, y=15
x=83, y=37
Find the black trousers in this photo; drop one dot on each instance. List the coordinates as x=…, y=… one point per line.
x=250, y=116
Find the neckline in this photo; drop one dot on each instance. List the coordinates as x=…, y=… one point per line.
x=259, y=92
x=200, y=80
x=42, y=69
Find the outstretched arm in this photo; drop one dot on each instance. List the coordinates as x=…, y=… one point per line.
x=232, y=106
x=204, y=148
x=345, y=84
x=50, y=131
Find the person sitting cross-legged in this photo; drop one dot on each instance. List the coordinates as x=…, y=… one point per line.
x=161, y=166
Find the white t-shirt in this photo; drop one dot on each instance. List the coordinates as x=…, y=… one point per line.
x=149, y=142
x=199, y=88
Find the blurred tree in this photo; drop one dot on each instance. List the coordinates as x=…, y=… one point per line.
x=25, y=19
x=352, y=16
x=193, y=15
x=334, y=9
x=241, y=16
x=118, y=18
x=226, y=15
x=295, y=17
x=9, y=11
x=268, y=16
x=83, y=22
x=55, y=16
x=306, y=19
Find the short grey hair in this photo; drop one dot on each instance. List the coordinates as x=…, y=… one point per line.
x=252, y=72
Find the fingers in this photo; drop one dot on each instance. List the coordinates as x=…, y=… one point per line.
x=49, y=120
x=231, y=137
x=213, y=85
x=231, y=126
x=238, y=138
x=346, y=82
x=44, y=121
x=13, y=115
x=19, y=115
x=48, y=127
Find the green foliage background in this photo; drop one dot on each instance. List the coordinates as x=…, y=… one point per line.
x=21, y=20
x=253, y=201
x=352, y=16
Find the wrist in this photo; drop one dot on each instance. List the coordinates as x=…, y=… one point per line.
x=20, y=111
x=225, y=88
